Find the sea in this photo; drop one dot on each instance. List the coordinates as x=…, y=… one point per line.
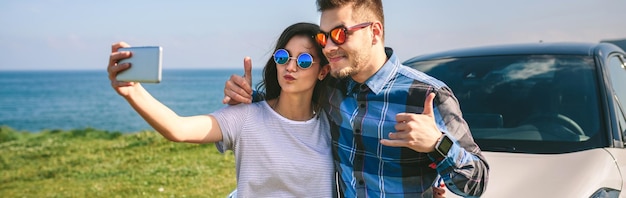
x=35, y=101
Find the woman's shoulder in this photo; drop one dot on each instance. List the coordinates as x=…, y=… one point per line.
x=253, y=107
x=242, y=109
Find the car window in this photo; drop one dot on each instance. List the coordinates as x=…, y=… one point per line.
x=617, y=75
x=518, y=103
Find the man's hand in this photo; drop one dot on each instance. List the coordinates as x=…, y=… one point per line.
x=439, y=192
x=416, y=131
x=239, y=89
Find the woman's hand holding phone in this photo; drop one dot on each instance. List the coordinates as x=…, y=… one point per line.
x=130, y=65
x=122, y=88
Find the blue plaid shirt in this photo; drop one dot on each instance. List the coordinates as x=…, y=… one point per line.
x=362, y=114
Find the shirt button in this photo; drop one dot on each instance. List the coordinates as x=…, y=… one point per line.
x=363, y=87
x=361, y=182
x=362, y=105
x=357, y=130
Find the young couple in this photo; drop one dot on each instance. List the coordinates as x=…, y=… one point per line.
x=375, y=128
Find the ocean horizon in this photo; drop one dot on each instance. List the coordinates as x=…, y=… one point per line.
x=36, y=100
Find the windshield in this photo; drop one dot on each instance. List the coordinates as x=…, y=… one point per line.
x=528, y=104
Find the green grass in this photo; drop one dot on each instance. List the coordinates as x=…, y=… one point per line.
x=95, y=163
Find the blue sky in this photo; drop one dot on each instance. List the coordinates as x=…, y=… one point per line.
x=76, y=35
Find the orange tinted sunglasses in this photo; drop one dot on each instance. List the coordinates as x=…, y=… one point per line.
x=338, y=34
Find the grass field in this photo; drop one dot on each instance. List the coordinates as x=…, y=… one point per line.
x=95, y=163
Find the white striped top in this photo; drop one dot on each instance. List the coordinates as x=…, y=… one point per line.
x=275, y=156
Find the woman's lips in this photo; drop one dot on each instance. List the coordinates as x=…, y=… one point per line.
x=289, y=77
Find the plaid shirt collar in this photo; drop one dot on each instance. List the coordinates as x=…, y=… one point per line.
x=379, y=80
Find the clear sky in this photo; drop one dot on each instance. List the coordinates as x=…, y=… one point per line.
x=75, y=34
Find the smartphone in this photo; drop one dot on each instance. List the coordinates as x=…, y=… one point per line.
x=145, y=65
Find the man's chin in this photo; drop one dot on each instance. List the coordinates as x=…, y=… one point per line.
x=340, y=71
x=337, y=76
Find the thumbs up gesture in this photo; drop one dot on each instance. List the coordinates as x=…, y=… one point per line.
x=416, y=131
x=238, y=89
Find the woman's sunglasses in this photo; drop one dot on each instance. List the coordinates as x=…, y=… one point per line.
x=338, y=34
x=304, y=60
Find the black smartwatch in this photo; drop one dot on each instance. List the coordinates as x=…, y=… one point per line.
x=441, y=148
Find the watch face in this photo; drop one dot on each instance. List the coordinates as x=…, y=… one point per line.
x=445, y=145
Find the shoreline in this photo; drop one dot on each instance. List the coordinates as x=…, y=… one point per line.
x=8, y=127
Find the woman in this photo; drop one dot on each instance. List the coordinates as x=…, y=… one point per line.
x=281, y=145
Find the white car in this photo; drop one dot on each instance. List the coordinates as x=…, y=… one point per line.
x=549, y=117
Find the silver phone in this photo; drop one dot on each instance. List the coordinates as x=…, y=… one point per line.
x=145, y=65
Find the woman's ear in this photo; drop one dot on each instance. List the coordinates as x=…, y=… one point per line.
x=323, y=72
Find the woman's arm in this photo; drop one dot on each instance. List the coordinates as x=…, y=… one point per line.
x=195, y=129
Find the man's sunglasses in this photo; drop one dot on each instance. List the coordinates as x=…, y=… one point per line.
x=338, y=34
x=304, y=60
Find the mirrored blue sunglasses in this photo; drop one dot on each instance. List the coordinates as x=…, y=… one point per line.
x=304, y=60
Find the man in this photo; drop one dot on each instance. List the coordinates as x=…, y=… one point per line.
x=381, y=146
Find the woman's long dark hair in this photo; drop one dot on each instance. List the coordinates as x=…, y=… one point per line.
x=270, y=79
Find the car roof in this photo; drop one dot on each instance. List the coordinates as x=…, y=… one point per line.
x=563, y=48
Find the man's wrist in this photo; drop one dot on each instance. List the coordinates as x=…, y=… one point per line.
x=442, y=147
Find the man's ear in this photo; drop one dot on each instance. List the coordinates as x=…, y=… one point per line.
x=377, y=32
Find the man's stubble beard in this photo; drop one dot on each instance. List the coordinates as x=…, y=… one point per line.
x=344, y=72
x=354, y=67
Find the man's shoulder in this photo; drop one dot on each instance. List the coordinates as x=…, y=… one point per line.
x=416, y=75
x=408, y=73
